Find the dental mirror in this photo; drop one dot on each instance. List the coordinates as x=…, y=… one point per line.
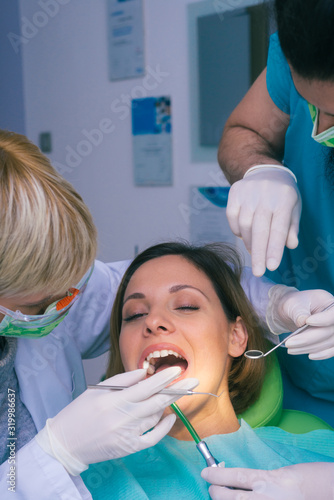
x=257, y=354
x=254, y=354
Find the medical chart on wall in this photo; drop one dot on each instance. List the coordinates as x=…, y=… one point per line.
x=152, y=141
x=125, y=39
x=207, y=215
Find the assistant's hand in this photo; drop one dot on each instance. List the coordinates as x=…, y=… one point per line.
x=294, y=482
x=289, y=309
x=101, y=425
x=264, y=210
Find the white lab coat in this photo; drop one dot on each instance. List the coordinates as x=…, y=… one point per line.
x=51, y=375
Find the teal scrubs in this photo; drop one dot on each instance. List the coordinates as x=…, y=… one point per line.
x=309, y=385
x=171, y=469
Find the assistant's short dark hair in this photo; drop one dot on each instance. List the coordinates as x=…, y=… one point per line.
x=306, y=34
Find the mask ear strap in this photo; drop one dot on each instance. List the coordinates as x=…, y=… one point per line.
x=313, y=111
x=73, y=292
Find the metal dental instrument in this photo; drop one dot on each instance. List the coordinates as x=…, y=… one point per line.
x=210, y=460
x=177, y=392
x=256, y=354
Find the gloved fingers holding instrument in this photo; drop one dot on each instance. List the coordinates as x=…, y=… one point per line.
x=264, y=209
x=101, y=425
x=289, y=309
x=305, y=481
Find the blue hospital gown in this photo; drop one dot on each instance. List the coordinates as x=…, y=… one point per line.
x=171, y=469
x=310, y=384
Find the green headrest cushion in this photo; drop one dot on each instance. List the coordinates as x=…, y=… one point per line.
x=267, y=410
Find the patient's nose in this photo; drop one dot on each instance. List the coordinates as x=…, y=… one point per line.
x=158, y=323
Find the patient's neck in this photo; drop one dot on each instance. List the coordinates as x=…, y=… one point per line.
x=210, y=419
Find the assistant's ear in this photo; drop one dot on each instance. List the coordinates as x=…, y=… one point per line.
x=238, y=338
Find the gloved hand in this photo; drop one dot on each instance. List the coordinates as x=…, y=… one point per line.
x=294, y=482
x=264, y=210
x=100, y=425
x=289, y=309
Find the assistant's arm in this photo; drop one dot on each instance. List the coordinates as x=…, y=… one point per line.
x=264, y=203
x=254, y=133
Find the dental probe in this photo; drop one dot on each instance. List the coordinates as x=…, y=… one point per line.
x=177, y=392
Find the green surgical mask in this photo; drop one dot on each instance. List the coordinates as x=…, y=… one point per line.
x=10, y=328
x=16, y=324
x=326, y=138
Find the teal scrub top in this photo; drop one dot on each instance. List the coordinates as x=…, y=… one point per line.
x=171, y=469
x=311, y=264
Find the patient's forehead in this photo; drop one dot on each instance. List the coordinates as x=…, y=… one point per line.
x=166, y=271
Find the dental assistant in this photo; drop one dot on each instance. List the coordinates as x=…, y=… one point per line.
x=277, y=151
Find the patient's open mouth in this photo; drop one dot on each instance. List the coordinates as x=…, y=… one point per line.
x=159, y=360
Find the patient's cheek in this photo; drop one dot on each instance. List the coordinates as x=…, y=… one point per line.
x=125, y=361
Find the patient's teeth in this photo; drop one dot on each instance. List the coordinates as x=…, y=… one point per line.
x=161, y=354
x=146, y=364
x=151, y=370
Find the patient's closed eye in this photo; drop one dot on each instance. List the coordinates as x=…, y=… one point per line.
x=188, y=308
x=132, y=317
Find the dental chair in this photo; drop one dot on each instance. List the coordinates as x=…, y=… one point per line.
x=268, y=409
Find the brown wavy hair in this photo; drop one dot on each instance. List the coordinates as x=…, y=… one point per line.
x=222, y=265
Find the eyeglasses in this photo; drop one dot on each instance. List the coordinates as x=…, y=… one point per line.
x=54, y=313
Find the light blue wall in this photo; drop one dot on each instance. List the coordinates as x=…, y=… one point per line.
x=11, y=80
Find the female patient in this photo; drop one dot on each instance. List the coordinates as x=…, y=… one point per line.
x=182, y=305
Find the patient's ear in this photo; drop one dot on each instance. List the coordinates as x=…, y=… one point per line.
x=238, y=338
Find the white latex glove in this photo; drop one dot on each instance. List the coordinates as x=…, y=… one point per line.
x=295, y=482
x=288, y=309
x=101, y=425
x=264, y=210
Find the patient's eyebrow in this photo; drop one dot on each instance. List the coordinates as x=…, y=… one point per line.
x=177, y=288
x=173, y=289
x=135, y=295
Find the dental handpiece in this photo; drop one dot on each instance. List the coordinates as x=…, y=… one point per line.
x=206, y=454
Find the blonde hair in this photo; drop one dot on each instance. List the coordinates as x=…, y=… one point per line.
x=47, y=234
x=222, y=266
